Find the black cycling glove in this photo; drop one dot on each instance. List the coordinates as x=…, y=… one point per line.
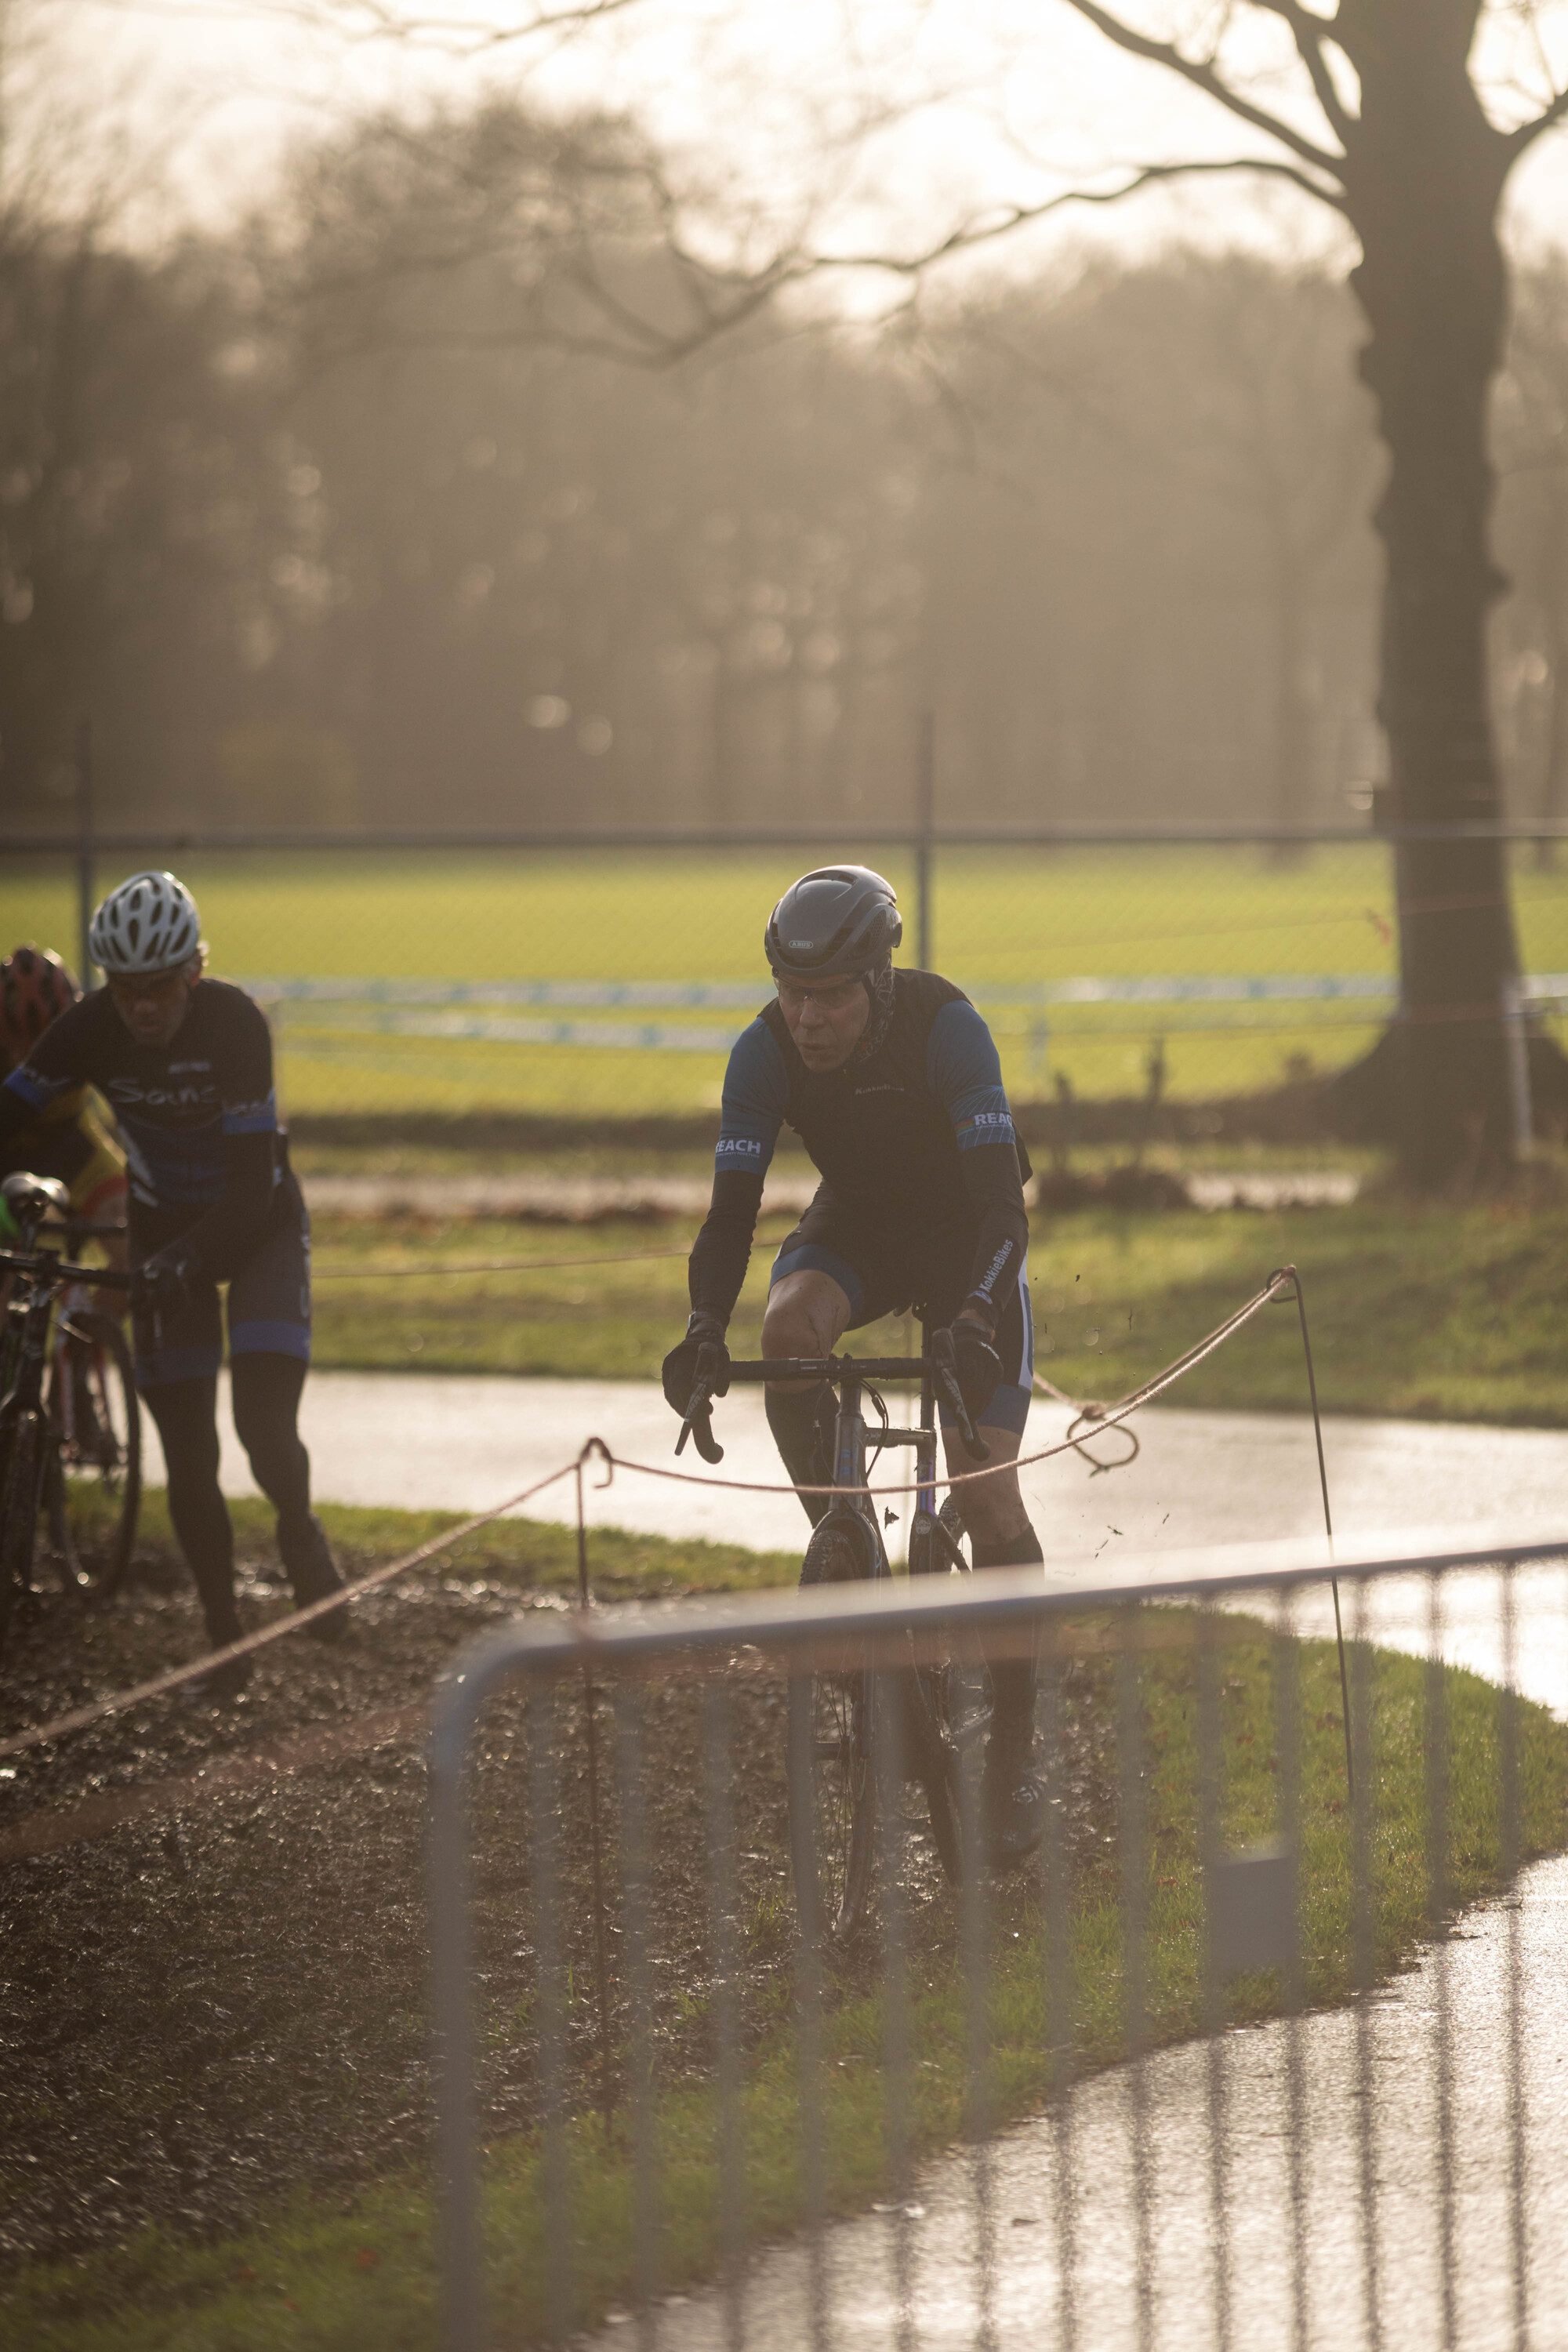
x=164, y=1284
x=978, y=1366
x=680, y=1364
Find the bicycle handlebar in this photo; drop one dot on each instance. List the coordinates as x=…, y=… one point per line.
x=89, y=1232
x=828, y=1367
x=699, y=1421
x=56, y=1269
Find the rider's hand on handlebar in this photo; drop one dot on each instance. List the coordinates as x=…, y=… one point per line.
x=163, y=1284
x=978, y=1366
x=680, y=1364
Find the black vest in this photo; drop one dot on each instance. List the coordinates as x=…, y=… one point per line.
x=883, y=1142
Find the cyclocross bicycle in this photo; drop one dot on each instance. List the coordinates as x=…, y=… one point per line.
x=848, y=1722
x=71, y=1430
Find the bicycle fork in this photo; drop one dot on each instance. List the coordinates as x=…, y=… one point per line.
x=850, y=1462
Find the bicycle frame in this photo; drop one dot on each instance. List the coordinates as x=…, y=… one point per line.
x=928, y=1541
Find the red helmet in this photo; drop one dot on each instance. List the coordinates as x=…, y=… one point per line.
x=35, y=989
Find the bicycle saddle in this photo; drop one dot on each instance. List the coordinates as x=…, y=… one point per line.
x=30, y=1198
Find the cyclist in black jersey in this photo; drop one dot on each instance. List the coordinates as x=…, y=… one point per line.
x=891, y=1081
x=185, y=1064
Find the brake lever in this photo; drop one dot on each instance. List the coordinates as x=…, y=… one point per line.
x=708, y=1444
x=947, y=1373
x=699, y=1421
x=974, y=1445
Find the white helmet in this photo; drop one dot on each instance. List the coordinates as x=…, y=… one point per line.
x=149, y=924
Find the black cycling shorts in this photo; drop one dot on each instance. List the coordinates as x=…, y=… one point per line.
x=924, y=1271
x=269, y=1311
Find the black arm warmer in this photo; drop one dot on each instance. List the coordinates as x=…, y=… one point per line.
x=993, y=1180
x=232, y=1226
x=722, y=1249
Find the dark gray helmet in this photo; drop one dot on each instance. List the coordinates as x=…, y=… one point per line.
x=832, y=924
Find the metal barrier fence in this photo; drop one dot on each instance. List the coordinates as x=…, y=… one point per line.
x=717, y=2091
x=604, y=975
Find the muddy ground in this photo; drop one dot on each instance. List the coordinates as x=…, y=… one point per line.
x=225, y=1995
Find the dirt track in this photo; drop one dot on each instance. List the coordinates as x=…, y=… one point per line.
x=214, y=1978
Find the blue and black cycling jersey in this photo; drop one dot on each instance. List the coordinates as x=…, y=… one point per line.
x=198, y=1117
x=917, y=1138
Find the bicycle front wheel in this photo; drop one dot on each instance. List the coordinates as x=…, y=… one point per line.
x=832, y=1803
x=92, y=1475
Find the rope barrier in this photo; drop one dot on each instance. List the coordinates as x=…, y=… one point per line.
x=489, y=1266
x=595, y=1451
x=97, y=1710
x=1087, y=1410
x=1107, y=1418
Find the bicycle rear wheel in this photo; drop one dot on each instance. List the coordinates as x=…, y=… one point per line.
x=932, y=1760
x=92, y=1472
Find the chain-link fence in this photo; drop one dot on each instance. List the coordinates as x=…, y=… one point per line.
x=610, y=977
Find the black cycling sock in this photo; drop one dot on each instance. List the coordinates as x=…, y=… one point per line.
x=805, y=1425
x=266, y=1391
x=1012, y=1679
x=185, y=1413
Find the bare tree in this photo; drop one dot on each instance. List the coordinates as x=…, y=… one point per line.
x=1384, y=120
x=1383, y=117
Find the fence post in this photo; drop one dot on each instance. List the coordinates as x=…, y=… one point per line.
x=85, y=889
x=1518, y=1051
x=925, y=809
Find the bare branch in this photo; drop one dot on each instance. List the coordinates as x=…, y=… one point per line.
x=366, y=21
x=725, y=304
x=1205, y=78
x=1308, y=32
x=964, y=240
x=1549, y=118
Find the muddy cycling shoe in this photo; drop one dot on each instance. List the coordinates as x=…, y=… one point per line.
x=834, y=1556
x=221, y=1685
x=313, y=1573
x=1012, y=1805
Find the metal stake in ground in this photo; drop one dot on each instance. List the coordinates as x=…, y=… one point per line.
x=1290, y=1272
x=595, y=1840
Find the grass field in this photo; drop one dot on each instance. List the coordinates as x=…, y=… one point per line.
x=1003, y=919
x=1436, y=1311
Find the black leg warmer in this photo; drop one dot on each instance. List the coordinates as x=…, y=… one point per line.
x=266, y=1390
x=185, y=1413
x=804, y=1426
x=1012, y=1679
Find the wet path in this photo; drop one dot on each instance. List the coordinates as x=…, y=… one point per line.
x=459, y=1443
x=976, y=2260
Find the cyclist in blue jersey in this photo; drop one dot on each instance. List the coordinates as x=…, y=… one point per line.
x=185, y=1064
x=891, y=1080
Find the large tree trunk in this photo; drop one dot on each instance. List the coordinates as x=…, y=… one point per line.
x=1424, y=184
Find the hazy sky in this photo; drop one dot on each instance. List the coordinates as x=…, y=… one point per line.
x=986, y=102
